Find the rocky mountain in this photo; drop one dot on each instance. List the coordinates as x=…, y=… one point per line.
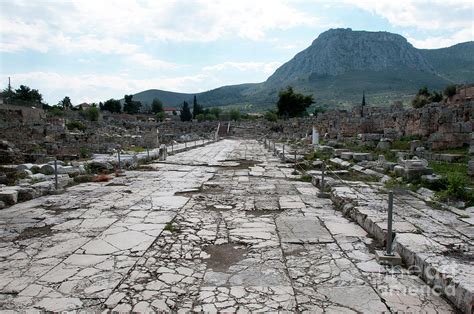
x=339, y=65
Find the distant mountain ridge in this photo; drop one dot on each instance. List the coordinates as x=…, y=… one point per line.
x=339, y=65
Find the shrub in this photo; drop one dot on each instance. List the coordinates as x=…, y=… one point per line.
x=92, y=114
x=450, y=90
x=160, y=116
x=306, y=178
x=456, y=185
x=84, y=152
x=271, y=116
x=71, y=125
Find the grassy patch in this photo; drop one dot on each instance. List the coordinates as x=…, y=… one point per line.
x=137, y=149
x=306, y=178
x=318, y=155
x=170, y=227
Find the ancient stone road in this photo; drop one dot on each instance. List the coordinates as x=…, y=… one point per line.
x=205, y=230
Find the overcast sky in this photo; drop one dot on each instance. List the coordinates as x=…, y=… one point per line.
x=96, y=50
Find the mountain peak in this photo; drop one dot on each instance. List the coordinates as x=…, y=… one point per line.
x=338, y=51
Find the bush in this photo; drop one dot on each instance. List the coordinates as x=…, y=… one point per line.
x=71, y=125
x=306, y=178
x=160, y=116
x=210, y=117
x=456, y=185
x=271, y=116
x=84, y=152
x=91, y=114
x=450, y=90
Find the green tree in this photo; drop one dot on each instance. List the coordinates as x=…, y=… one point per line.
x=26, y=95
x=271, y=116
x=92, y=114
x=197, y=109
x=156, y=106
x=424, y=97
x=215, y=111
x=186, y=114
x=160, y=116
x=130, y=106
x=111, y=105
x=234, y=114
x=201, y=117
x=291, y=104
x=210, y=117
x=65, y=103
x=436, y=97
x=450, y=90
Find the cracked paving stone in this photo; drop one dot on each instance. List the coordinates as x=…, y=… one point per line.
x=223, y=227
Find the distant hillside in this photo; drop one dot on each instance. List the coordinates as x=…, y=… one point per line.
x=342, y=63
x=455, y=63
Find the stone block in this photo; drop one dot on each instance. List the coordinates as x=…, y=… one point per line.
x=346, y=155
x=470, y=167
x=26, y=194
x=399, y=170
x=361, y=156
x=339, y=151
x=47, y=169
x=9, y=196
x=384, y=259
x=384, y=144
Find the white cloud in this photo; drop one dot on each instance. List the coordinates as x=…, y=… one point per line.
x=264, y=67
x=422, y=14
x=442, y=41
x=75, y=24
x=148, y=61
x=94, y=88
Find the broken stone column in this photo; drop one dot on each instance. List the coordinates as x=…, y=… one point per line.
x=412, y=169
x=470, y=164
x=315, y=136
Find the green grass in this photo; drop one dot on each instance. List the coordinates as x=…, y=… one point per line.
x=137, y=149
x=306, y=178
x=318, y=155
x=458, y=150
x=169, y=227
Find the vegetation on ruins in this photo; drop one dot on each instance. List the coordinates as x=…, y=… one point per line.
x=111, y=105
x=23, y=96
x=75, y=125
x=234, y=114
x=450, y=90
x=91, y=114
x=291, y=104
x=156, y=106
x=424, y=97
x=271, y=116
x=197, y=109
x=65, y=103
x=85, y=152
x=186, y=114
x=160, y=116
x=130, y=106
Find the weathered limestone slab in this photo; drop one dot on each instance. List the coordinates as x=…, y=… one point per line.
x=302, y=230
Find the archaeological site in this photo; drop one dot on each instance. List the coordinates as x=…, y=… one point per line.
x=340, y=181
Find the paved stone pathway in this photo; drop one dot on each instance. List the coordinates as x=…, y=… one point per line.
x=205, y=231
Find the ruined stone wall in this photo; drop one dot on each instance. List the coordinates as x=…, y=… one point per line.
x=441, y=125
x=33, y=133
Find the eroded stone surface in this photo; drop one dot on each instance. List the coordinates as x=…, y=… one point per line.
x=205, y=231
